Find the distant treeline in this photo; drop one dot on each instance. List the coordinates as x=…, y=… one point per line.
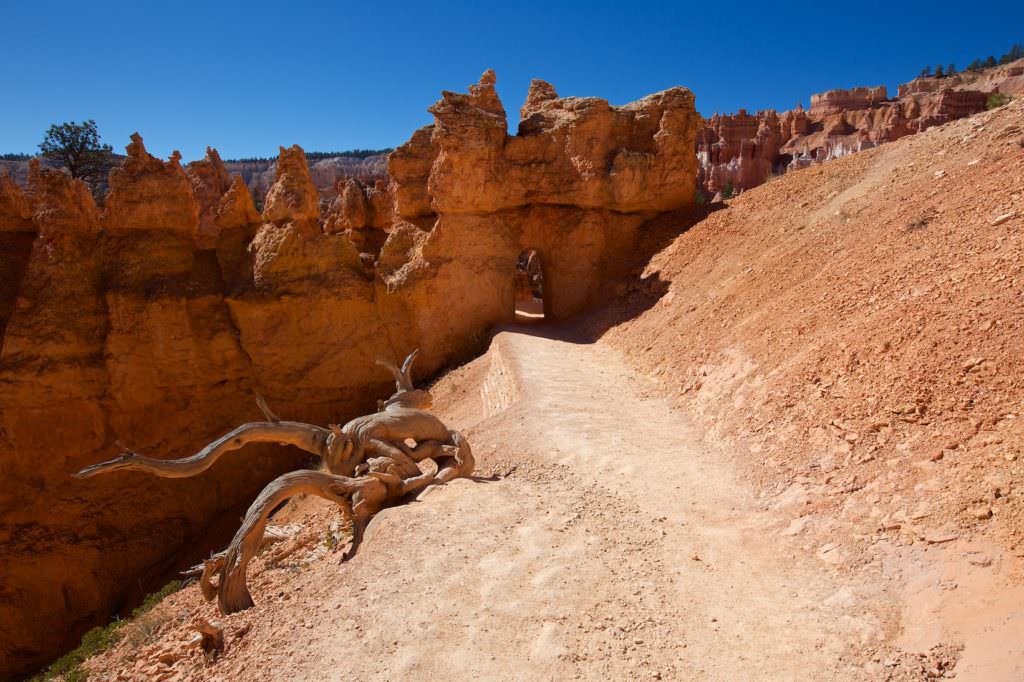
x=15, y=157
x=1016, y=52
x=317, y=156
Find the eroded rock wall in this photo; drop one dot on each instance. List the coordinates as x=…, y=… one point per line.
x=156, y=321
x=740, y=151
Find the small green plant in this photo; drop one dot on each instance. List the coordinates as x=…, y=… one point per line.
x=68, y=667
x=330, y=540
x=155, y=598
x=100, y=638
x=728, y=191
x=996, y=100
x=701, y=198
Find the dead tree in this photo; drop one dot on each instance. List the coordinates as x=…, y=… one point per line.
x=368, y=466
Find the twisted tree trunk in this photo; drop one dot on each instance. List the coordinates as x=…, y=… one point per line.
x=308, y=437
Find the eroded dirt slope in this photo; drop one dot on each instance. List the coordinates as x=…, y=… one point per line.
x=855, y=331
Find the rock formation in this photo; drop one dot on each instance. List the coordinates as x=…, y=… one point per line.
x=156, y=322
x=740, y=150
x=326, y=173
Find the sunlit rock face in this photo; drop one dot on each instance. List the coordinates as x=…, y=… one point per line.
x=156, y=320
x=740, y=151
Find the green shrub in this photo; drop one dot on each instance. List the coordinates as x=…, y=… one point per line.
x=100, y=638
x=155, y=598
x=728, y=191
x=996, y=99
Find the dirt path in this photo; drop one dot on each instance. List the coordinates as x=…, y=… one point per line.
x=619, y=546
x=613, y=544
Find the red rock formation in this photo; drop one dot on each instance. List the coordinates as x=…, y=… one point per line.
x=210, y=180
x=157, y=321
x=15, y=212
x=293, y=199
x=149, y=194
x=575, y=184
x=60, y=204
x=741, y=151
x=837, y=101
x=364, y=214
x=17, y=232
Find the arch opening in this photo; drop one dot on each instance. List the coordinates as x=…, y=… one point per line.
x=529, y=287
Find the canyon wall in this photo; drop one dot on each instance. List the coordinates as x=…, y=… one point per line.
x=157, y=320
x=740, y=151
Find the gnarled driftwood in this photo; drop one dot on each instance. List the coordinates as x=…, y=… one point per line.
x=368, y=465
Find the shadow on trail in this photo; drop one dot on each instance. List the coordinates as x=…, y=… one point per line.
x=631, y=296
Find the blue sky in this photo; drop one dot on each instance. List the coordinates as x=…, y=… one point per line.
x=245, y=78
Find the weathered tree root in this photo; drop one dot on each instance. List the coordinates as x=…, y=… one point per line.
x=211, y=638
x=372, y=447
x=308, y=437
x=233, y=593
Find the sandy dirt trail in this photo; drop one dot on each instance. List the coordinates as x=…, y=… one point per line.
x=619, y=546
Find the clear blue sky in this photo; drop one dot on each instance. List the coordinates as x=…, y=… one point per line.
x=247, y=77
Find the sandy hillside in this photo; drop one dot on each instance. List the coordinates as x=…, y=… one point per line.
x=854, y=331
x=813, y=475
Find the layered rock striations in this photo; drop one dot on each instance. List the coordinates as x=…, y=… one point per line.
x=157, y=320
x=739, y=151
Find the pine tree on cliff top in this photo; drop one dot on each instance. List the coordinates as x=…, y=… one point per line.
x=78, y=149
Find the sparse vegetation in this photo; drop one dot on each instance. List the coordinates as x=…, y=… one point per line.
x=700, y=197
x=1016, y=52
x=155, y=598
x=330, y=540
x=15, y=157
x=728, y=191
x=68, y=667
x=996, y=99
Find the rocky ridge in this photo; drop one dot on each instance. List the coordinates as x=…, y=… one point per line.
x=740, y=151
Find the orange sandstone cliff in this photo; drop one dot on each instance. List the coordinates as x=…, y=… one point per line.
x=155, y=321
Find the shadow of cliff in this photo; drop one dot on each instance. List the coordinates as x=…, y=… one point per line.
x=631, y=295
